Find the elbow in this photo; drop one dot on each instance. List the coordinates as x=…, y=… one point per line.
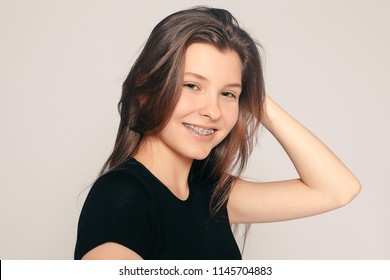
x=350, y=191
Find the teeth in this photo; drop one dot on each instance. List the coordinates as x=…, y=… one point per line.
x=199, y=130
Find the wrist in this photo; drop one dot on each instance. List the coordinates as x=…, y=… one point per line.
x=268, y=111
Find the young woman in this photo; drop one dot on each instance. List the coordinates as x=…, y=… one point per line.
x=190, y=108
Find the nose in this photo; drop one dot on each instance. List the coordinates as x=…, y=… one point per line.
x=211, y=108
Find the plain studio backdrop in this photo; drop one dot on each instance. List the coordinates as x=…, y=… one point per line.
x=62, y=64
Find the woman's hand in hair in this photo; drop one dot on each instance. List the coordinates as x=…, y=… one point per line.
x=325, y=183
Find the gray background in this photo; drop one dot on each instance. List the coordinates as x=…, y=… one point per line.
x=61, y=68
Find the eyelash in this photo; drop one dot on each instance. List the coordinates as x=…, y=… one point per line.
x=191, y=85
x=196, y=87
x=228, y=94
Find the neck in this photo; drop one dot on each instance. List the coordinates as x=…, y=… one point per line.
x=169, y=167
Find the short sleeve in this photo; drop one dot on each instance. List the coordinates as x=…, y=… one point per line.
x=117, y=209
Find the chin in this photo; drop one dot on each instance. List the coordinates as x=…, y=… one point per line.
x=200, y=156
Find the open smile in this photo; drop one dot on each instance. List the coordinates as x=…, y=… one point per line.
x=199, y=130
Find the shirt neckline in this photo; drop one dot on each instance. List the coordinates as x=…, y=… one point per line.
x=157, y=180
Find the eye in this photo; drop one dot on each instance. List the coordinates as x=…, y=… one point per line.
x=228, y=94
x=191, y=86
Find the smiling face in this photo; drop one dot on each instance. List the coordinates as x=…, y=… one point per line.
x=207, y=109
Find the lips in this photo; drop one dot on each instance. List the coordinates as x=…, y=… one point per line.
x=199, y=130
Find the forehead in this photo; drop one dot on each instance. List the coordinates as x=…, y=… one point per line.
x=208, y=61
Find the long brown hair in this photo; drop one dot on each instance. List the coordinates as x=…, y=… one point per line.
x=153, y=86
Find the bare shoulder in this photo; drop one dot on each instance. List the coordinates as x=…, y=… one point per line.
x=111, y=251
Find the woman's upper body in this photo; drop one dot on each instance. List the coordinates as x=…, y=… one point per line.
x=215, y=114
x=131, y=207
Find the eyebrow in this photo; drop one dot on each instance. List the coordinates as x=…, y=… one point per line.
x=200, y=77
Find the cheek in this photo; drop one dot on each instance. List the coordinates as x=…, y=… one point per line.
x=184, y=105
x=232, y=116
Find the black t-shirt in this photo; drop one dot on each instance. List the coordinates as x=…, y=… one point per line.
x=130, y=206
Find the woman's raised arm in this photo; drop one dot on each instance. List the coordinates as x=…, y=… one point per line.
x=325, y=183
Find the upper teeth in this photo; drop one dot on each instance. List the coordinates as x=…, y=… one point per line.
x=199, y=130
